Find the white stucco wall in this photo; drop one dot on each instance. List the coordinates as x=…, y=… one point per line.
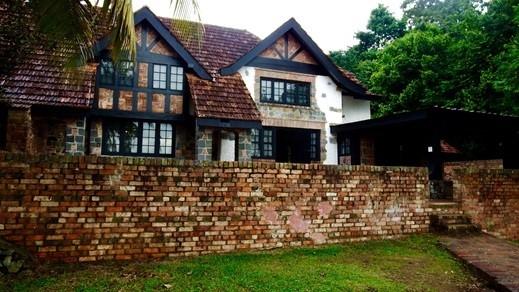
x=247, y=74
x=355, y=109
x=227, y=146
x=337, y=108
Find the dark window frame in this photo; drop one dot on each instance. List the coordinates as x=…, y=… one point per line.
x=298, y=99
x=166, y=80
x=178, y=81
x=119, y=125
x=124, y=80
x=260, y=143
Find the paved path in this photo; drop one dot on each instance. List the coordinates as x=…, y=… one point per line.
x=495, y=258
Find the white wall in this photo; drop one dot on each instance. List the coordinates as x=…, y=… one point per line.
x=247, y=74
x=329, y=100
x=227, y=146
x=355, y=109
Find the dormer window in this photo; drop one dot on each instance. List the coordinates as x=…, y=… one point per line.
x=106, y=72
x=125, y=70
x=285, y=92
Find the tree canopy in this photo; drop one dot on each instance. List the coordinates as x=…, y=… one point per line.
x=455, y=53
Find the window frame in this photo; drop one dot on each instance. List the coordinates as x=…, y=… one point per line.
x=119, y=125
x=182, y=75
x=283, y=99
x=261, y=143
x=119, y=69
x=166, y=80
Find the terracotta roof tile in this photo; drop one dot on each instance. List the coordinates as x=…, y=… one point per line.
x=226, y=96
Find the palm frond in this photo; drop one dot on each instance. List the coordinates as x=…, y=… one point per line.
x=123, y=38
x=187, y=21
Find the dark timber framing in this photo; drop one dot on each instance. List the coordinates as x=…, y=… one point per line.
x=145, y=14
x=293, y=26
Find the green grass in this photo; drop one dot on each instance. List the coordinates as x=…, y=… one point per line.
x=415, y=263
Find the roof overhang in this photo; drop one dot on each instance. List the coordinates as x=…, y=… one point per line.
x=228, y=123
x=438, y=118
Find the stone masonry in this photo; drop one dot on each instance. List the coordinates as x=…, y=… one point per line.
x=89, y=208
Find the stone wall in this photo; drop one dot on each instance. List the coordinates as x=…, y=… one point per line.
x=88, y=208
x=490, y=197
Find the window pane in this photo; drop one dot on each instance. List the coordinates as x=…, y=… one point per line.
x=106, y=72
x=266, y=90
x=177, y=78
x=166, y=139
x=130, y=132
x=148, y=137
x=279, y=89
x=267, y=143
x=113, y=140
x=159, y=76
x=291, y=93
x=255, y=139
x=313, y=146
x=126, y=73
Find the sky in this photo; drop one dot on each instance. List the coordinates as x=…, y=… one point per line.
x=332, y=24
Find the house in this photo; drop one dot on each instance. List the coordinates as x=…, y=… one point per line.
x=229, y=97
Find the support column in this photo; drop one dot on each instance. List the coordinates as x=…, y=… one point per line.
x=204, y=144
x=19, y=130
x=76, y=136
x=244, y=145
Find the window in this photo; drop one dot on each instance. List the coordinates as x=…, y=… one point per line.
x=285, y=92
x=262, y=143
x=166, y=139
x=268, y=146
x=345, y=147
x=125, y=70
x=124, y=137
x=314, y=143
x=106, y=72
x=255, y=138
x=148, y=138
x=159, y=76
x=177, y=78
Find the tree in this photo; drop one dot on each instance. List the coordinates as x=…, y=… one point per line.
x=75, y=23
x=383, y=27
x=418, y=13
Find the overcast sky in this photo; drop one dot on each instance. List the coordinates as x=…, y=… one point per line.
x=331, y=23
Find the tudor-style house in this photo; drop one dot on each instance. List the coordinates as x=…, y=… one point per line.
x=229, y=96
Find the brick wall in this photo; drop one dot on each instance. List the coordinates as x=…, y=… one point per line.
x=491, y=198
x=449, y=167
x=87, y=208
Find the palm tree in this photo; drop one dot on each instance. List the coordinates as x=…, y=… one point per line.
x=78, y=22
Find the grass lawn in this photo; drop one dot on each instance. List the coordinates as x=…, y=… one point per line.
x=415, y=263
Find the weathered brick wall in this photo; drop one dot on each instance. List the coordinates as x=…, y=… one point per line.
x=491, y=198
x=449, y=167
x=77, y=208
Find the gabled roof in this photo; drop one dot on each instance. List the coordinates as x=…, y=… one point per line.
x=224, y=97
x=145, y=14
x=350, y=86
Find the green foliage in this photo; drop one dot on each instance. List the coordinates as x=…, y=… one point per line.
x=414, y=263
x=462, y=54
x=383, y=27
